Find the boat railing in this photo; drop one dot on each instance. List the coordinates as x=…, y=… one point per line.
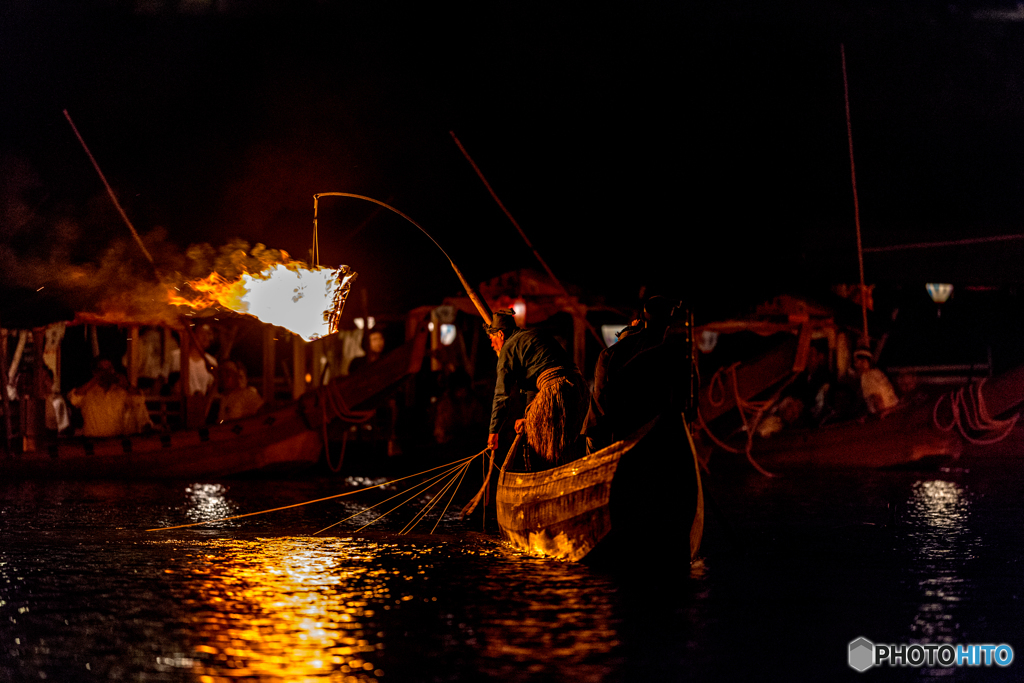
x=943, y=375
x=165, y=412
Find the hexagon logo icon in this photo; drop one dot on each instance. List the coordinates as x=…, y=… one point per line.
x=862, y=654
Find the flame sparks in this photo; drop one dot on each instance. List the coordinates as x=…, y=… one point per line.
x=306, y=301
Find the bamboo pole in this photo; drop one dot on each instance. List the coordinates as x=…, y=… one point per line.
x=110, y=191
x=856, y=204
x=494, y=195
x=269, y=368
x=522, y=233
x=474, y=296
x=298, y=366
x=133, y=355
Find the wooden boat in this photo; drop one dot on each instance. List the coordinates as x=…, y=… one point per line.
x=927, y=428
x=605, y=502
x=288, y=438
x=902, y=437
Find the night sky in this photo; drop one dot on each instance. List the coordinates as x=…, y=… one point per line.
x=699, y=149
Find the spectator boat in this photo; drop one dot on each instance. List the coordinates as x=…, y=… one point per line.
x=286, y=438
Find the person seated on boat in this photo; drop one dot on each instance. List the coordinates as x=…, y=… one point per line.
x=103, y=401
x=812, y=387
x=383, y=425
x=150, y=369
x=459, y=414
x=633, y=378
x=237, y=399
x=374, y=351
x=201, y=365
x=57, y=418
x=908, y=387
x=534, y=363
x=875, y=387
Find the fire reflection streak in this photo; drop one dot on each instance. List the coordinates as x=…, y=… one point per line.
x=939, y=513
x=208, y=501
x=284, y=609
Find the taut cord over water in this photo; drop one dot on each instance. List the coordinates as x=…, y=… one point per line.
x=413, y=492
x=433, y=501
x=318, y=500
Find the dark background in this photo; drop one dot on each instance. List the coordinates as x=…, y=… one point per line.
x=699, y=149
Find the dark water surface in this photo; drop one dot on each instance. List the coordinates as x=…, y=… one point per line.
x=793, y=569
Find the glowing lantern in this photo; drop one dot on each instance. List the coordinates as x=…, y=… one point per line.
x=447, y=334
x=707, y=340
x=519, y=308
x=939, y=291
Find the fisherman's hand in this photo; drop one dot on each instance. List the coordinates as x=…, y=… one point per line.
x=520, y=423
x=492, y=442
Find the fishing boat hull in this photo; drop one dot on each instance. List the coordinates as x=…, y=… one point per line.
x=279, y=440
x=607, y=499
x=289, y=438
x=902, y=437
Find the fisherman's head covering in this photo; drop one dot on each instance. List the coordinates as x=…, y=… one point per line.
x=502, y=321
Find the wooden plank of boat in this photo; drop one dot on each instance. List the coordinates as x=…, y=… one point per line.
x=567, y=511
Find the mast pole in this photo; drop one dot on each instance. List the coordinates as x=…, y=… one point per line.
x=856, y=203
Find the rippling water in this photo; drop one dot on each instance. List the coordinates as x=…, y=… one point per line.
x=792, y=570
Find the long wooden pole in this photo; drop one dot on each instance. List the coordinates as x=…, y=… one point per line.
x=522, y=233
x=474, y=296
x=110, y=191
x=856, y=203
x=494, y=195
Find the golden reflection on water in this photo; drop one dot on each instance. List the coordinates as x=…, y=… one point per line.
x=324, y=609
x=939, y=512
x=288, y=609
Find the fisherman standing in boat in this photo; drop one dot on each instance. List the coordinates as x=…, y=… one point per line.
x=533, y=362
x=634, y=380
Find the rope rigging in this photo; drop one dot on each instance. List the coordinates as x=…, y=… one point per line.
x=751, y=412
x=969, y=414
x=415, y=490
x=455, y=463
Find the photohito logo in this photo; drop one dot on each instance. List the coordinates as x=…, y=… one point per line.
x=863, y=654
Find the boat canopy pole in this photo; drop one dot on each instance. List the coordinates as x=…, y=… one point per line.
x=856, y=204
x=474, y=296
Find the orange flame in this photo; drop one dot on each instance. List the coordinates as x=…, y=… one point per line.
x=306, y=301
